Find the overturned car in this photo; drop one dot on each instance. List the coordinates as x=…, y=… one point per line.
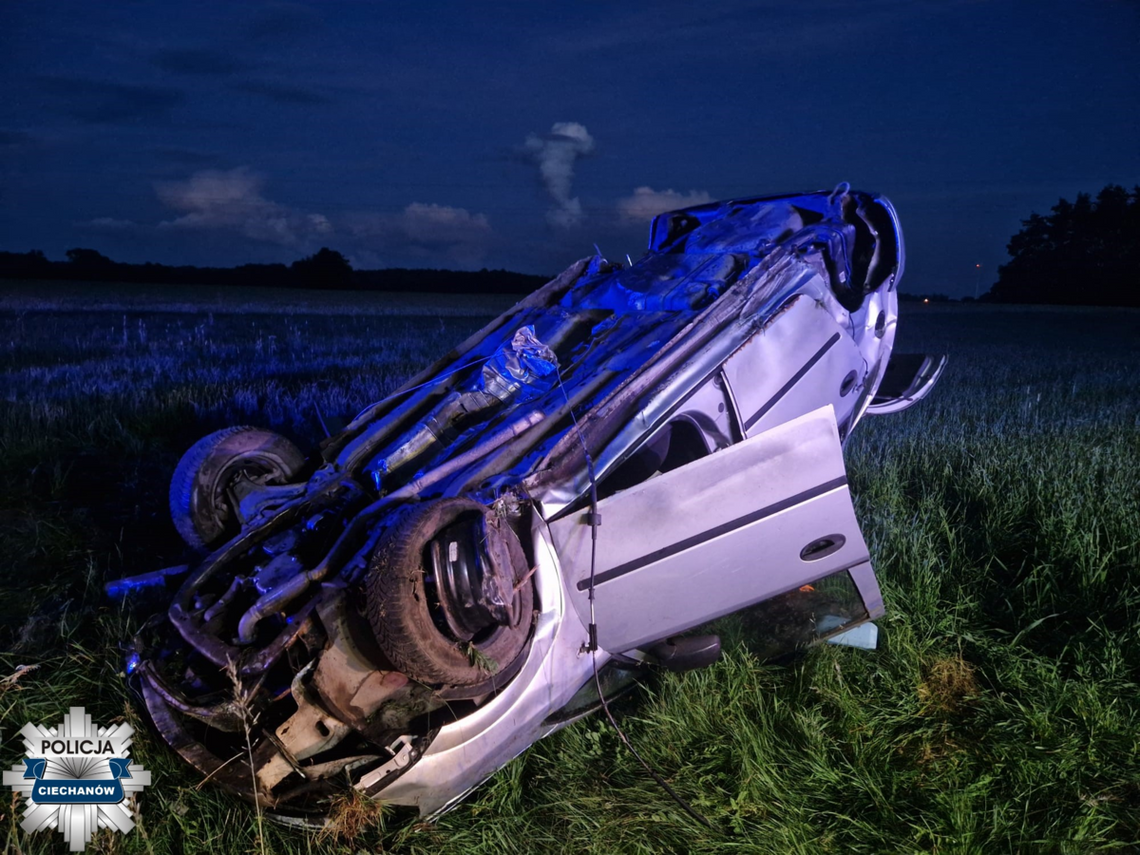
x=475, y=561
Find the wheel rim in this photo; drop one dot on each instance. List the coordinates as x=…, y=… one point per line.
x=471, y=592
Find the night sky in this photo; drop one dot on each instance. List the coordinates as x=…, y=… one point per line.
x=518, y=135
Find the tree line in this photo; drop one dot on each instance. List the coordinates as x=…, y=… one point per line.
x=325, y=269
x=1085, y=252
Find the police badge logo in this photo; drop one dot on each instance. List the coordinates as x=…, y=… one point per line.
x=77, y=777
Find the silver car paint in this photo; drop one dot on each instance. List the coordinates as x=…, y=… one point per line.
x=696, y=586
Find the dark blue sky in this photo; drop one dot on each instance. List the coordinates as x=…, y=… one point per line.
x=519, y=134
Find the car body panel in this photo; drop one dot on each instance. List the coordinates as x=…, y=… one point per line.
x=468, y=751
x=908, y=379
x=803, y=343
x=714, y=536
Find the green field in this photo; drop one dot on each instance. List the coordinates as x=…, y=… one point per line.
x=1000, y=714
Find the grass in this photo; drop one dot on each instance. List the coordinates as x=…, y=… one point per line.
x=38, y=295
x=1000, y=714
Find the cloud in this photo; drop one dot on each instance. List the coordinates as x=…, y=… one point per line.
x=104, y=102
x=426, y=230
x=232, y=200
x=646, y=203
x=201, y=61
x=427, y=224
x=555, y=153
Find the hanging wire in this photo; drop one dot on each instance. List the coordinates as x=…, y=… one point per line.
x=592, y=645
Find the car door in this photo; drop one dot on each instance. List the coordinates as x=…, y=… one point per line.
x=802, y=360
x=763, y=519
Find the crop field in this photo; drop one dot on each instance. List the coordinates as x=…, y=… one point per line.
x=1000, y=714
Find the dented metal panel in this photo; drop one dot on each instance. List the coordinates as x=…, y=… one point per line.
x=798, y=362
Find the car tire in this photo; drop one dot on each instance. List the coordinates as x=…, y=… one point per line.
x=400, y=602
x=200, y=506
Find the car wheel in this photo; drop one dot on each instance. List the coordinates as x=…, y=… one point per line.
x=448, y=594
x=201, y=502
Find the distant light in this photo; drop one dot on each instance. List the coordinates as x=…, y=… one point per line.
x=926, y=299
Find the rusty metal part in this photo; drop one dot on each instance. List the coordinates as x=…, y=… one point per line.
x=311, y=730
x=225, y=716
x=249, y=664
x=479, y=692
x=232, y=773
x=354, y=680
